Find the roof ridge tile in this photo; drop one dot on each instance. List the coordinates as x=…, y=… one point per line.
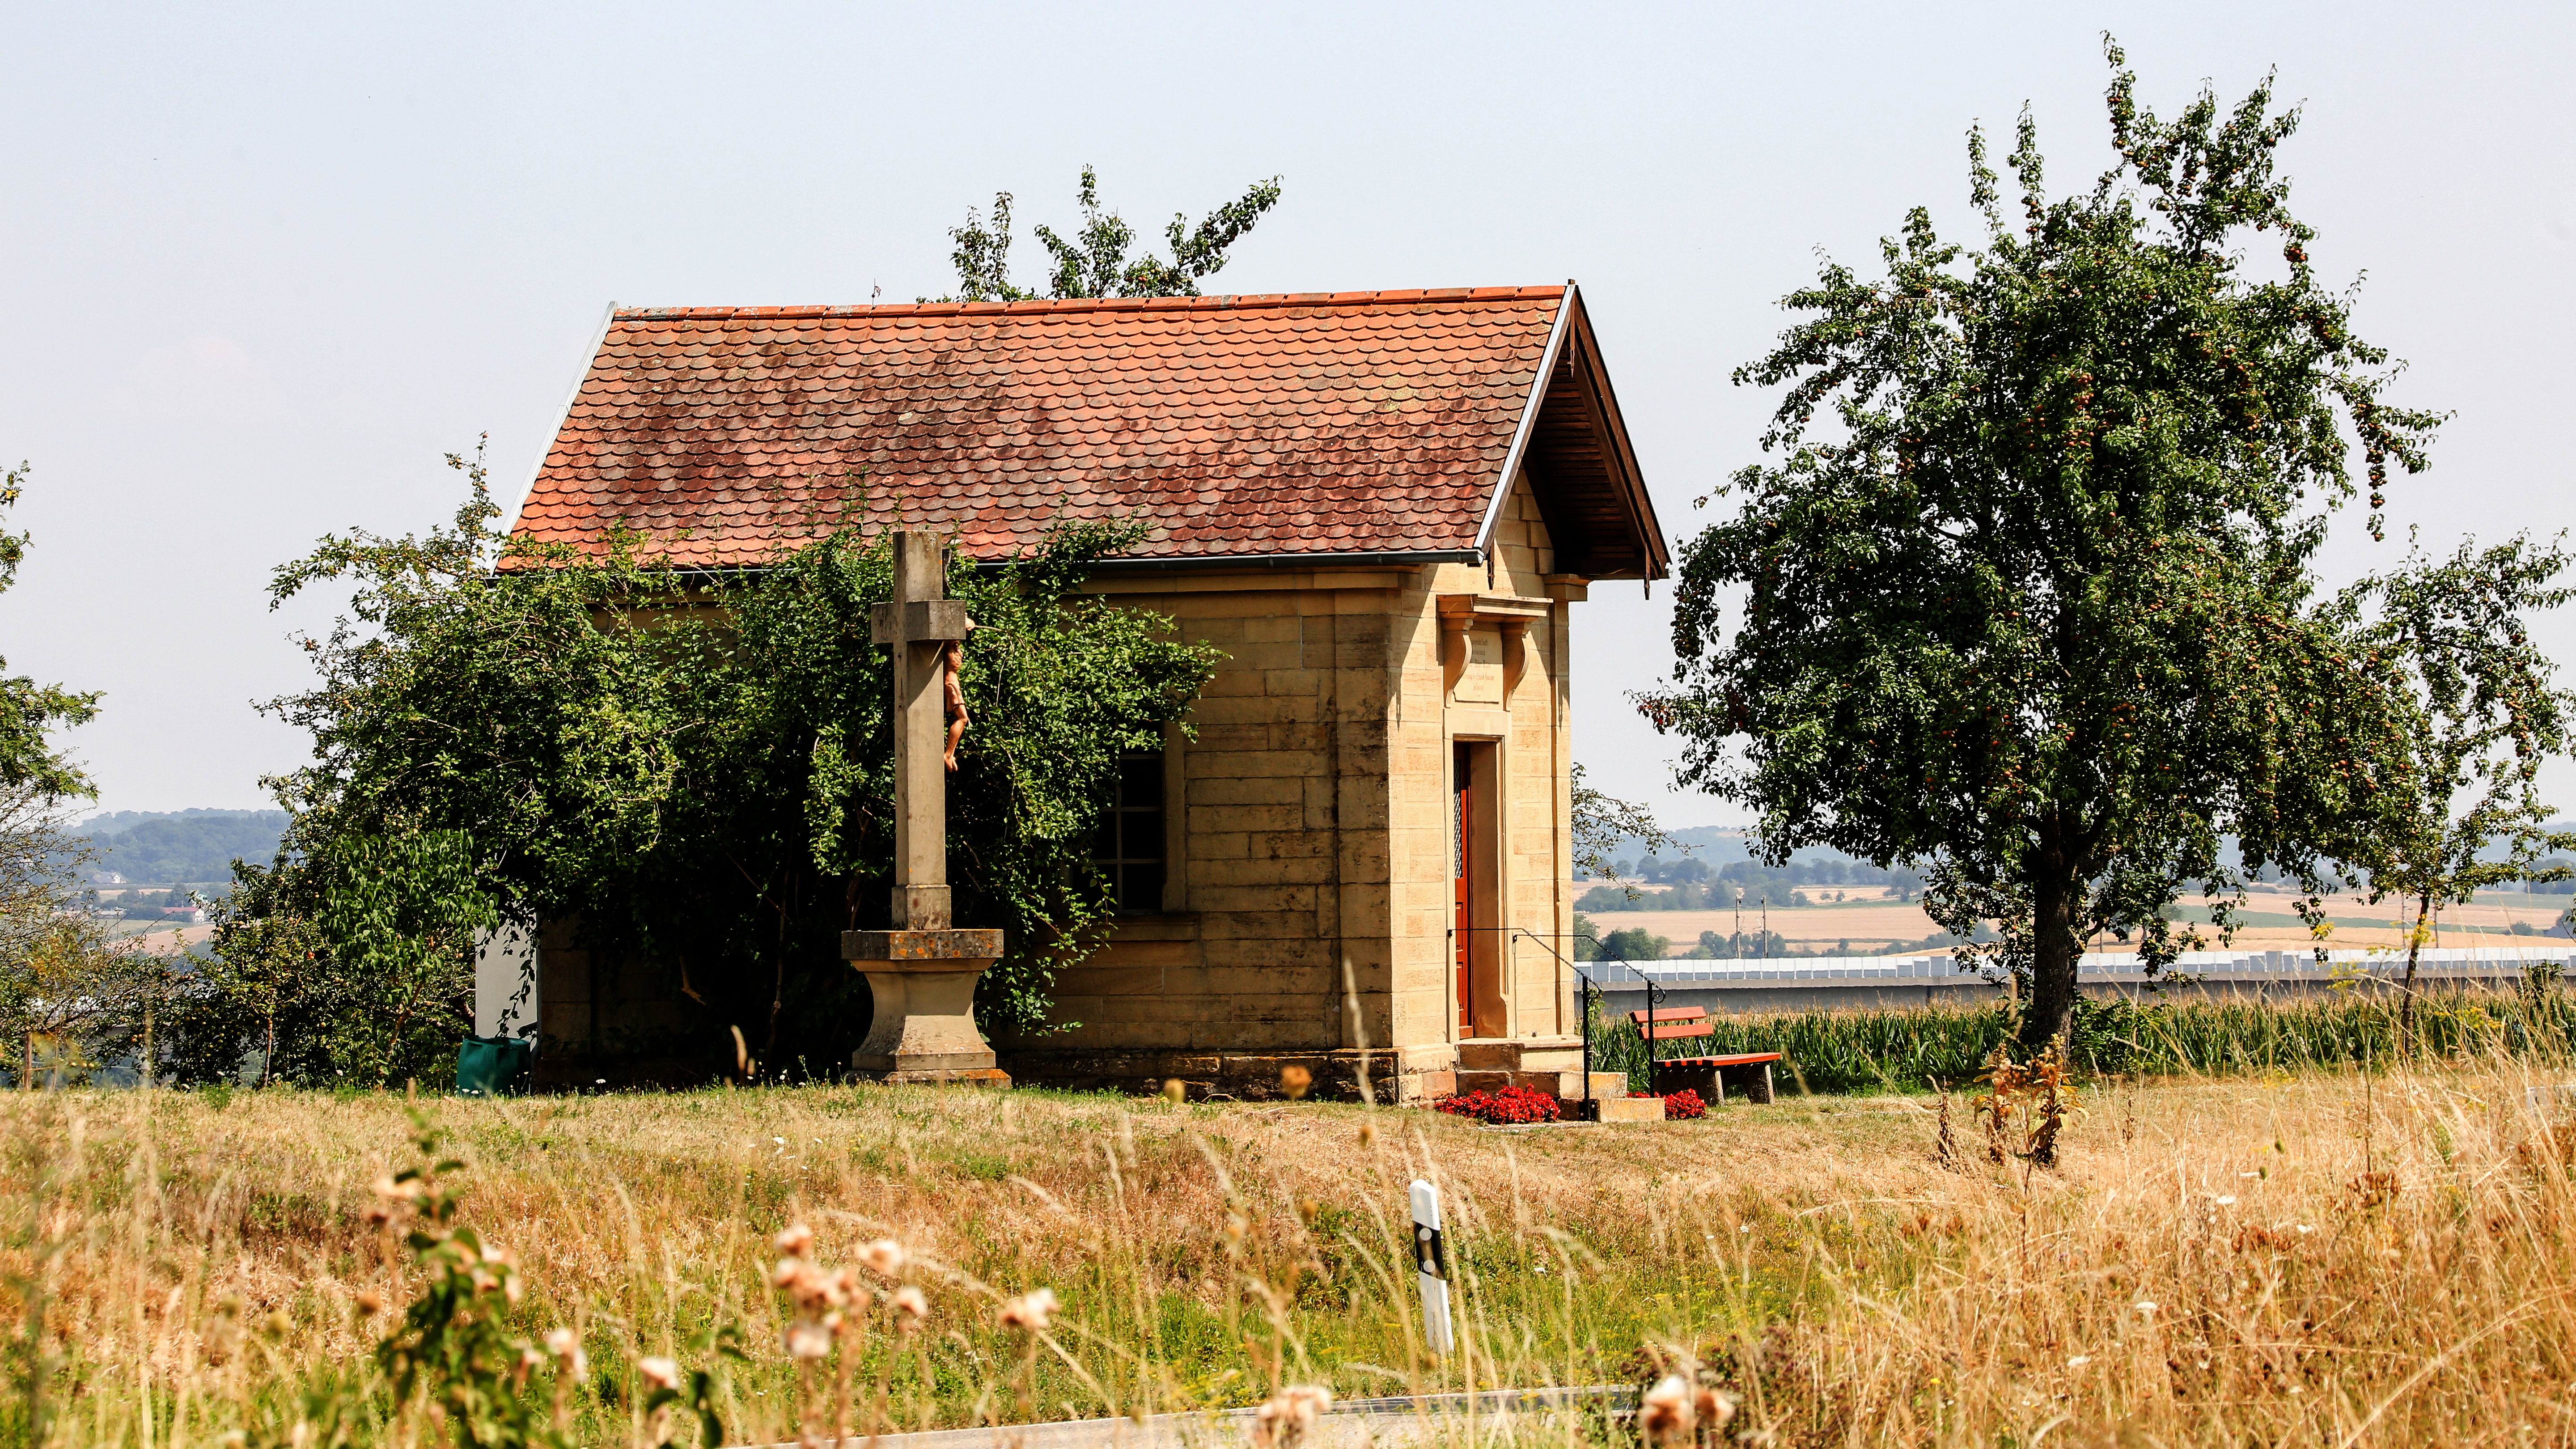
x=1242, y=301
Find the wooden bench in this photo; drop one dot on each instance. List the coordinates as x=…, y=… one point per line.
x=1672, y=1023
x=1748, y=1072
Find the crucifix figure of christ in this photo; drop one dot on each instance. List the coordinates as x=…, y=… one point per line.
x=922, y=974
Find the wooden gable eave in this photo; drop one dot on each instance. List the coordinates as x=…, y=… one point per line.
x=1582, y=468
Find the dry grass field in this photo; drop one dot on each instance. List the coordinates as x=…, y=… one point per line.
x=2323, y=1258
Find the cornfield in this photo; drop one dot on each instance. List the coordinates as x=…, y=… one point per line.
x=1913, y=1050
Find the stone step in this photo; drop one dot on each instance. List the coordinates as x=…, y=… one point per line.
x=1521, y=1054
x=1632, y=1109
x=1553, y=1084
x=1559, y=1054
x=1606, y=1085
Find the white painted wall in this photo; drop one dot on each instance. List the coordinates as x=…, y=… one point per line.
x=505, y=980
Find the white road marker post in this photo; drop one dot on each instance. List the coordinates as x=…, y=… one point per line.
x=1431, y=1267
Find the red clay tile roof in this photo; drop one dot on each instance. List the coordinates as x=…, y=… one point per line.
x=1333, y=423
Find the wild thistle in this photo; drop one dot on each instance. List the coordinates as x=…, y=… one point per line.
x=1030, y=1313
x=1286, y=1417
x=1667, y=1415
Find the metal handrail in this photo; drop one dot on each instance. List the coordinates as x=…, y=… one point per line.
x=1592, y=996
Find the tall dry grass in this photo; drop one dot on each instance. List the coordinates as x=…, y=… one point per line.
x=2290, y=1258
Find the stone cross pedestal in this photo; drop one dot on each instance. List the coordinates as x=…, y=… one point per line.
x=922, y=973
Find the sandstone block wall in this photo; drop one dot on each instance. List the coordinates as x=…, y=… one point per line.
x=1312, y=822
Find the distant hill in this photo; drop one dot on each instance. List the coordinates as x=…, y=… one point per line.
x=182, y=847
x=1719, y=845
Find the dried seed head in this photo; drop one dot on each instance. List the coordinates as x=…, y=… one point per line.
x=884, y=1257
x=1714, y=1409
x=370, y=1302
x=1033, y=1310
x=807, y=1339
x=1296, y=1082
x=661, y=1373
x=909, y=1302
x=566, y=1348
x=1175, y=1090
x=1666, y=1414
x=796, y=1240
x=1284, y=1419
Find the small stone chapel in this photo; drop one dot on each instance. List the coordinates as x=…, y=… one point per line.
x=1382, y=507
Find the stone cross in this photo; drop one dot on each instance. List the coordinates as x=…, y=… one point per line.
x=921, y=974
x=919, y=625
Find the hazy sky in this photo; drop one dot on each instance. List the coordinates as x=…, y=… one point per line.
x=265, y=264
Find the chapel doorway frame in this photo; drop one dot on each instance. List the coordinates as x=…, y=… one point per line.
x=1481, y=996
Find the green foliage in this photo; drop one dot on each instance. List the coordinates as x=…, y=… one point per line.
x=1633, y=945
x=1587, y=938
x=28, y=710
x=352, y=965
x=694, y=768
x=1094, y=261
x=453, y=1348
x=2036, y=610
x=2486, y=717
x=1742, y=946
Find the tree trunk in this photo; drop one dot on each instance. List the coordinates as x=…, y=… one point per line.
x=2406, y=1000
x=2050, y=1013
x=27, y=1072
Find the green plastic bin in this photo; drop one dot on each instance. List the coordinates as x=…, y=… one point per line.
x=493, y=1066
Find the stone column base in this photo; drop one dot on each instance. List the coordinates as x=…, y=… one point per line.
x=923, y=987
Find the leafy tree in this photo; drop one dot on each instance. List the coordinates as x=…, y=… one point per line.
x=29, y=710
x=264, y=988
x=2036, y=611
x=695, y=772
x=2553, y=875
x=2486, y=718
x=1638, y=944
x=1094, y=262
x=351, y=962
x=68, y=992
